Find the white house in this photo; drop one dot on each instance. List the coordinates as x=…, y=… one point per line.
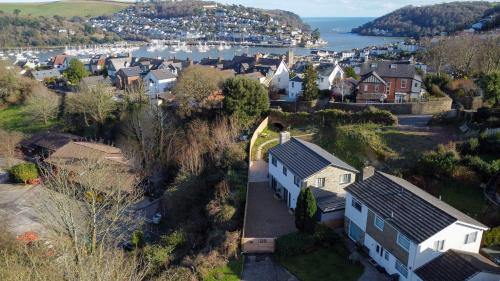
x=61, y=62
x=327, y=74
x=296, y=164
x=295, y=87
x=159, y=81
x=279, y=78
x=406, y=230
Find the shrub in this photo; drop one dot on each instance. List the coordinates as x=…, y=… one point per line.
x=492, y=237
x=325, y=235
x=294, y=244
x=157, y=256
x=137, y=239
x=483, y=168
x=441, y=161
x=471, y=146
x=24, y=172
x=174, y=239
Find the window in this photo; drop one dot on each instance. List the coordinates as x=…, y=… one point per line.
x=404, y=83
x=439, y=245
x=377, y=88
x=366, y=87
x=388, y=89
x=296, y=180
x=401, y=268
x=320, y=182
x=345, y=178
x=293, y=84
x=379, y=223
x=386, y=255
x=274, y=161
x=470, y=238
x=285, y=171
x=356, y=204
x=403, y=242
x=416, y=85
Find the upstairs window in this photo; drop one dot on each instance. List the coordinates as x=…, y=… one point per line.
x=274, y=162
x=439, y=245
x=403, y=242
x=470, y=238
x=356, y=204
x=345, y=178
x=320, y=182
x=366, y=87
x=379, y=223
x=296, y=181
x=404, y=83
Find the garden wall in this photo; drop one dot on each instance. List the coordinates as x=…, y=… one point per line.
x=414, y=108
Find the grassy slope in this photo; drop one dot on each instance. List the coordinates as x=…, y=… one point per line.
x=67, y=8
x=230, y=272
x=14, y=118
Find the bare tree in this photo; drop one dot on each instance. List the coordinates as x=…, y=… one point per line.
x=435, y=55
x=43, y=105
x=8, y=144
x=94, y=103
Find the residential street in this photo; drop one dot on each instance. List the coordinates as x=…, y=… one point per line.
x=414, y=120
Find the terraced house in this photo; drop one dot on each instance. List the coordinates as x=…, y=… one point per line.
x=296, y=164
x=413, y=234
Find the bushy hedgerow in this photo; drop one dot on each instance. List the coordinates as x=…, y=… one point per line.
x=24, y=172
x=492, y=237
x=441, y=161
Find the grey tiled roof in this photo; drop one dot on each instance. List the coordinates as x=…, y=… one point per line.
x=414, y=212
x=131, y=71
x=331, y=203
x=44, y=74
x=456, y=266
x=163, y=74
x=305, y=159
x=383, y=68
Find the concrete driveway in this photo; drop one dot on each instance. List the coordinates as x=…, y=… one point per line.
x=414, y=120
x=262, y=267
x=20, y=208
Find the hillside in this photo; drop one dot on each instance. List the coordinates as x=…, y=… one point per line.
x=414, y=21
x=65, y=8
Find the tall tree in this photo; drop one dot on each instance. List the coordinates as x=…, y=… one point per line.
x=490, y=83
x=245, y=99
x=76, y=71
x=305, y=211
x=310, y=88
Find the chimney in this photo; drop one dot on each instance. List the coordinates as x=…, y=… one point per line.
x=284, y=137
x=367, y=172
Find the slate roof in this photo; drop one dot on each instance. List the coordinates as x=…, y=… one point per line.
x=414, y=212
x=97, y=80
x=119, y=63
x=44, y=74
x=297, y=78
x=331, y=203
x=163, y=74
x=49, y=140
x=456, y=266
x=131, y=71
x=383, y=68
x=305, y=159
x=374, y=73
x=325, y=69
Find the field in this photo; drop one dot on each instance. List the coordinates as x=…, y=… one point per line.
x=66, y=8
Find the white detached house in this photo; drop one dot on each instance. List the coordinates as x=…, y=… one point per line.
x=413, y=234
x=327, y=74
x=159, y=81
x=296, y=164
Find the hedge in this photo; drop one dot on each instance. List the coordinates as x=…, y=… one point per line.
x=329, y=117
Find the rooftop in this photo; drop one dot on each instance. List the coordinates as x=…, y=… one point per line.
x=414, y=212
x=305, y=159
x=390, y=69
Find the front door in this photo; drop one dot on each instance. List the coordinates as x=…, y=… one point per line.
x=274, y=184
x=355, y=232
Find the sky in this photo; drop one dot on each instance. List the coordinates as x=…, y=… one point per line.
x=321, y=8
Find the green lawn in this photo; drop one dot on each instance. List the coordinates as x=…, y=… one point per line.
x=66, y=8
x=273, y=134
x=323, y=264
x=229, y=272
x=465, y=197
x=14, y=118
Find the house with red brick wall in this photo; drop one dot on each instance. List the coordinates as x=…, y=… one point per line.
x=388, y=81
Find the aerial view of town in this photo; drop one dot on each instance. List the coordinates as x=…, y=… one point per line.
x=227, y=140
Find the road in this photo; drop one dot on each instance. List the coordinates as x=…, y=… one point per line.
x=414, y=120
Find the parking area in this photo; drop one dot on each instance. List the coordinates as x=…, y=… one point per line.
x=266, y=217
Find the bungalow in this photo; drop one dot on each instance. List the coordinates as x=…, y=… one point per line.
x=126, y=76
x=395, y=82
x=411, y=233
x=159, y=81
x=296, y=164
x=44, y=75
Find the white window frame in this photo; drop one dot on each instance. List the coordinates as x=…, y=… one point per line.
x=365, y=87
x=470, y=238
x=403, y=238
x=274, y=161
x=439, y=245
x=285, y=171
x=355, y=203
x=386, y=255
x=401, y=268
x=343, y=180
x=376, y=222
x=320, y=182
x=405, y=83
